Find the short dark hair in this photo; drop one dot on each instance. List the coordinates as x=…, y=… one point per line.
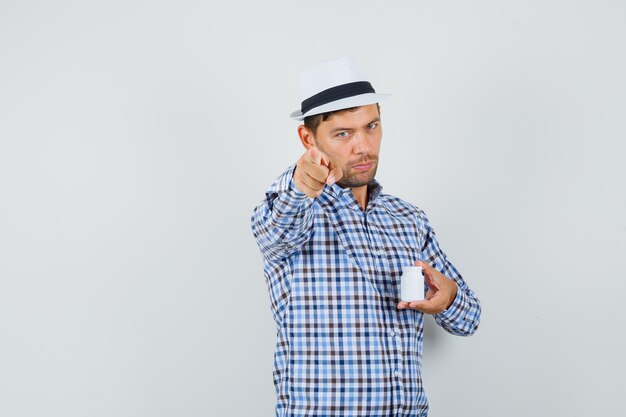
x=313, y=122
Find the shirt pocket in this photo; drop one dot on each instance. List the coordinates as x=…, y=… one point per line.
x=401, y=246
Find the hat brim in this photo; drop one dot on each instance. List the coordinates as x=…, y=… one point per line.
x=344, y=103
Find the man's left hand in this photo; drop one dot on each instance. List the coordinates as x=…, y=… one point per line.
x=440, y=295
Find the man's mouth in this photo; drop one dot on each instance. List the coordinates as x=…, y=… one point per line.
x=364, y=166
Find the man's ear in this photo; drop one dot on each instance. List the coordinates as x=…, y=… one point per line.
x=306, y=137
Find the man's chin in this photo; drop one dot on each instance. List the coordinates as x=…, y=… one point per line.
x=354, y=181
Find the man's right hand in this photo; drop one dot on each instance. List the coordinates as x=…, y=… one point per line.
x=313, y=170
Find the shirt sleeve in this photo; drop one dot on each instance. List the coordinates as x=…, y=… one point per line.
x=283, y=221
x=463, y=316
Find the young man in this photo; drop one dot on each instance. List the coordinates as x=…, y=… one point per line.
x=334, y=246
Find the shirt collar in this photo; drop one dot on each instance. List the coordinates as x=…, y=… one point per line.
x=345, y=194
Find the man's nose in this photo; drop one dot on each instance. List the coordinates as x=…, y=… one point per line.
x=361, y=144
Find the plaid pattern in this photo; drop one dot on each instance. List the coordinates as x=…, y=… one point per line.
x=333, y=275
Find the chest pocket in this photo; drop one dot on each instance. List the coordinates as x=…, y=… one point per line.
x=401, y=242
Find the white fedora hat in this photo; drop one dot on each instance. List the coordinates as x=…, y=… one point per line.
x=334, y=85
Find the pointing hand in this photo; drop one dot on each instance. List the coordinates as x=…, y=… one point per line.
x=313, y=170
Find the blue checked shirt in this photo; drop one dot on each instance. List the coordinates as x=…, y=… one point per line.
x=333, y=275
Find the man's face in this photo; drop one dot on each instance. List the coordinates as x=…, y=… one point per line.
x=351, y=140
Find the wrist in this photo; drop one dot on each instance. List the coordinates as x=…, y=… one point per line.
x=454, y=289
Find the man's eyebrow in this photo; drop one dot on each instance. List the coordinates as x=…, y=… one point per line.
x=349, y=128
x=340, y=128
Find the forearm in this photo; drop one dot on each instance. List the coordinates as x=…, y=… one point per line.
x=283, y=222
x=463, y=316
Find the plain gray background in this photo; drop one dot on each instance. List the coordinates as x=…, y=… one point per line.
x=137, y=136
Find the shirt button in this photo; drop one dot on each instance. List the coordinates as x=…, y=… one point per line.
x=396, y=373
x=392, y=333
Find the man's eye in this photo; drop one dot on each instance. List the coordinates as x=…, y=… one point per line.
x=342, y=134
x=373, y=125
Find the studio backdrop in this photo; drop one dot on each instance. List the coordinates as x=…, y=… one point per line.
x=137, y=136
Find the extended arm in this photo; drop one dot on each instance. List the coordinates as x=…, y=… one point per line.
x=283, y=221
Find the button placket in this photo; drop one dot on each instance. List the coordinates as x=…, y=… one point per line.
x=377, y=241
x=377, y=238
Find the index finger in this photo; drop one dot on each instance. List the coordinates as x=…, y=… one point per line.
x=420, y=304
x=324, y=161
x=336, y=173
x=426, y=266
x=315, y=155
x=318, y=157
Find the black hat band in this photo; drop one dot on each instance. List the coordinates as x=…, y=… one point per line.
x=336, y=93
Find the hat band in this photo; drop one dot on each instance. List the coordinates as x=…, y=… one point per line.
x=336, y=93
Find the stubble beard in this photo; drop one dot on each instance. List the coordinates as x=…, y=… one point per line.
x=358, y=180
